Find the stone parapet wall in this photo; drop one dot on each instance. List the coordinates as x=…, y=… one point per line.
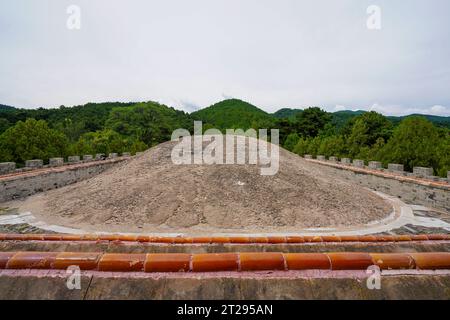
x=409, y=187
x=10, y=167
x=25, y=183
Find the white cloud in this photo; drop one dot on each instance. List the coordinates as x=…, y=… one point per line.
x=340, y=108
x=398, y=110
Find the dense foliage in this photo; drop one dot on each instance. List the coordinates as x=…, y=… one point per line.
x=119, y=127
x=233, y=114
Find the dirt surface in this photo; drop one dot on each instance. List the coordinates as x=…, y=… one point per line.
x=151, y=194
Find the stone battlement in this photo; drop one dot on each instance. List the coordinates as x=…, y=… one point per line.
x=21, y=183
x=10, y=167
x=418, y=187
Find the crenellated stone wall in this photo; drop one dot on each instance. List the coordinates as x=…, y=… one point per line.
x=10, y=167
x=21, y=183
x=419, y=187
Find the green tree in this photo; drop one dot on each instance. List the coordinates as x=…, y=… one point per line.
x=31, y=139
x=311, y=121
x=366, y=130
x=302, y=146
x=443, y=153
x=149, y=122
x=291, y=141
x=414, y=142
x=106, y=141
x=4, y=124
x=332, y=146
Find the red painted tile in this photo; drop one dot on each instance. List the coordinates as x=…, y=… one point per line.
x=367, y=238
x=385, y=238
x=261, y=261
x=258, y=240
x=165, y=239
x=401, y=238
x=167, y=262
x=350, y=260
x=51, y=237
x=307, y=261
x=419, y=237
x=71, y=237
x=188, y=240
x=128, y=237
x=4, y=258
x=393, y=260
x=295, y=239
x=226, y=239
x=2, y=236
x=431, y=260
x=243, y=240
x=436, y=237
x=108, y=237
x=14, y=236
x=215, y=262
x=201, y=240
x=143, y=238
x=275, y=240
x=84, y=260
x=122, y=262
x=313, y=239
x=32, y=260
x=90, y=237
x=331, y=239
x=349, y=238
x=179, y=240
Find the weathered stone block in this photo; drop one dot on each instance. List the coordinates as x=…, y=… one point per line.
x=73, y=159
x=308, y=156
x=56, y=162
x=112, y=155
x=358, y=163
x=87, y=157
x=7, y=167
x=100, y=156
x=35, y=163
x=396, y=167
x=333, y=159
x=126, y=154
x=423, y=171
x=375, y=165
x=346, y=161
x=321, y=158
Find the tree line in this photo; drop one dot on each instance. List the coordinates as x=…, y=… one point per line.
x=132, y=127
x=415, y=141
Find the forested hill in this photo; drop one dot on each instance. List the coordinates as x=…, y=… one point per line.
x=341, y=117
x=232, y=114
x=119, y=127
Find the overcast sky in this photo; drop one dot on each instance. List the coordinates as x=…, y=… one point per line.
x=190, y=54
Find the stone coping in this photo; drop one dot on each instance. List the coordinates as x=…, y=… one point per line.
x=215, y=262
x=384, y=174
x=74, y=166
x=222, y=239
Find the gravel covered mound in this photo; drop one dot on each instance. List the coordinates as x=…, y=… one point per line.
x=150, y=193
